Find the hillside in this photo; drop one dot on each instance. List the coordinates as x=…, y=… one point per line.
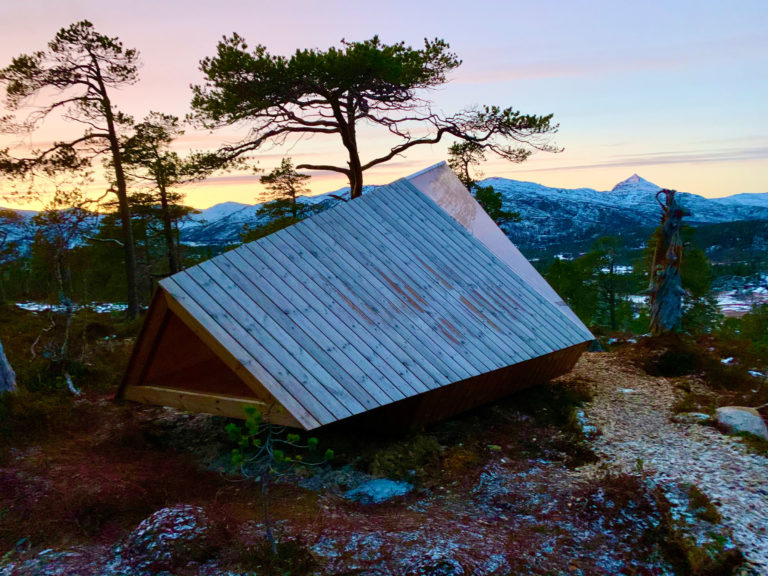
x=552, y=219
x=594, y=475
x=560, y=218
x=570, y=219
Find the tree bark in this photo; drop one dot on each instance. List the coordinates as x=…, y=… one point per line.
x=355, y=177
x=170, y=244
x=7, y=375
x=612, y=294
x=129, y=248
x=666, y=289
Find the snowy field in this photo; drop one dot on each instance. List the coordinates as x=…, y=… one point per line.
x=735, y=303
x=732, y=303
x=97, y=307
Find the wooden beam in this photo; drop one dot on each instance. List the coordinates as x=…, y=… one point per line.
x=308, y=421
x=219, y=404
x=146, y=343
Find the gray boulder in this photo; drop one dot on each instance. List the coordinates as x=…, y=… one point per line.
x=170, y=538
x=742, y=419
x=7, y=376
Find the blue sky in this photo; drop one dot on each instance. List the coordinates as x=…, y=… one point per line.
x=675, y=91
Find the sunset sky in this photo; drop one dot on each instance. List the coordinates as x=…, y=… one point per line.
x=676, y=91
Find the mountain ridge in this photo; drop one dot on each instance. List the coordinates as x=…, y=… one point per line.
x=549, y=215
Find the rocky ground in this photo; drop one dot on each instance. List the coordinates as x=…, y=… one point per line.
x=638, y=432
x=621, y=485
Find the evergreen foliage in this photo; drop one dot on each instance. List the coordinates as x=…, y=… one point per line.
x=265, y=451
x=339, y=90
x=149, y=161
x=592, y=287
x=284, y=185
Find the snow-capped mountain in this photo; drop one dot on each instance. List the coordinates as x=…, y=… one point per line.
x=549, y=216
x=223, y=223
x=559, y=215
x=17, y=230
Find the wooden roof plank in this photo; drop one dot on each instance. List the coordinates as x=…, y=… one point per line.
x=359, y=232
x=407, y=247
x=379, y=298
x=368, y=340
x=443, y=260
x=199, y=320
x=353, y=295
x=315, y=342
x=554, y=321
x=300, y=307
x=466, y=265
x=422, y=336
x=289, y=357
x=564, y=322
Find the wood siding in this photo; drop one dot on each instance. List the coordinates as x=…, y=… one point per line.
x=372, y=303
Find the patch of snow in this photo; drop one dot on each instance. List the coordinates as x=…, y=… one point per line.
x=638, y=299
x=378, y=490
x=97, y=307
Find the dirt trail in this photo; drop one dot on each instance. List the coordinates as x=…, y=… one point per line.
x=633, y=413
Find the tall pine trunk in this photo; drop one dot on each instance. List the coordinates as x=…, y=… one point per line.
x=132, y=289
x=170, y=244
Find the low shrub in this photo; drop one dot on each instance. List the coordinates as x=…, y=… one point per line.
x=406, y=459
x=27, y=416
x=293, y=558
x=700, y=504
x=555, y=403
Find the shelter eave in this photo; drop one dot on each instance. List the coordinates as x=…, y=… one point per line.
x=174, y=389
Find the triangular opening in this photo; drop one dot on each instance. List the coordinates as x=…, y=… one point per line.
x=182, y=361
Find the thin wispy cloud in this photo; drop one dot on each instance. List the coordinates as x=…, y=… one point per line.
x=658, y=158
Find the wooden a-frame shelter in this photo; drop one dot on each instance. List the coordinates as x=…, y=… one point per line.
x=406, y=305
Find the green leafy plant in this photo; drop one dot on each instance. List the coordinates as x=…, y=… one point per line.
x=266, y=451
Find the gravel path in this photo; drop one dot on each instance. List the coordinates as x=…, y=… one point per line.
x=632, y=411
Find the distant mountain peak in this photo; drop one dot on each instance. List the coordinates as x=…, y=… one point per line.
x=635, y=182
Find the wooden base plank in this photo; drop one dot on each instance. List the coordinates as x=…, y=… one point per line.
x=219, y=404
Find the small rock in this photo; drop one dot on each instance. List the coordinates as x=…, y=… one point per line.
x=378, y=490
x=742, y=419
x=690, y=417
x=444, y=567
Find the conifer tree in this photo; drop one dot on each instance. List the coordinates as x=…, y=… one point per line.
x=80, y=68
x=338, y=91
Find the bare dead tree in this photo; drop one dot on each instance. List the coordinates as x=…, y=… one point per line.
x=666, y=287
